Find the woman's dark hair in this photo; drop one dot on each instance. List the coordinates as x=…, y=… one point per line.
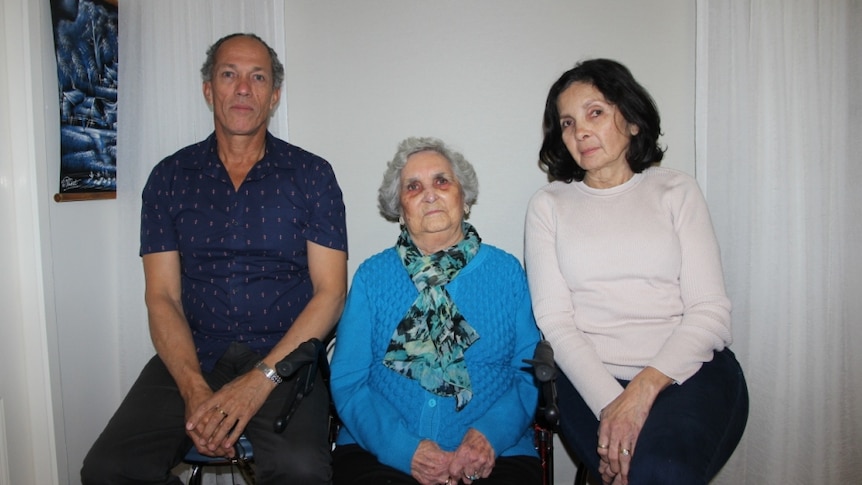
x=619, y=88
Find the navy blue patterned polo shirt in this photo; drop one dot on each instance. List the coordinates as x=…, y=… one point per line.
x=243, y=252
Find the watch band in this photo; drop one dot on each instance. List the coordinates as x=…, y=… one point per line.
x=268, y=371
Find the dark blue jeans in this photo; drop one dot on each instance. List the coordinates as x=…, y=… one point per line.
x=146, y=437
x=690, y=433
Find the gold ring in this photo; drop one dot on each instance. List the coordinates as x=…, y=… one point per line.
x=603, y=447
x=223, y=413
x=625, y=451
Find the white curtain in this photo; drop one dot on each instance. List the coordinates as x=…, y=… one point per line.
x=162, y=46
x=779, y=107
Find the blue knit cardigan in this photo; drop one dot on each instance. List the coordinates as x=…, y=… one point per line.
x=388, y=414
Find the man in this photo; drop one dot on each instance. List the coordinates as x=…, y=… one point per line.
x=243, y=242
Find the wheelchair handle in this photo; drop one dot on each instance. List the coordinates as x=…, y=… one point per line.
x=308, y=357
x=306, y=353
x=543, y=362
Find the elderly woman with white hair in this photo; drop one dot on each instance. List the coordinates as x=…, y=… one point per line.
x=428, y=375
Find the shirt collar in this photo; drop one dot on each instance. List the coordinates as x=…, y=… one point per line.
x=210, y=163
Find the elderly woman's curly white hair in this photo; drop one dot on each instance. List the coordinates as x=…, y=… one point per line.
x=389, y=194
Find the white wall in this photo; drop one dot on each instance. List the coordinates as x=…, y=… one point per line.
x=362, y=76
x=85, y=273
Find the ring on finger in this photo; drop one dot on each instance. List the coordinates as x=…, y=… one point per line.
x=603, y=447
x=473, y=476
x=625, y=451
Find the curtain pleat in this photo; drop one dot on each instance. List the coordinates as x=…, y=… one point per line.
x=780, y=96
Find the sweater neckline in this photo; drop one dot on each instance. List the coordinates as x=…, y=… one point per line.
x=619, y=189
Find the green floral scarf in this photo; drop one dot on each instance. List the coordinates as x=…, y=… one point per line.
x=429, y=343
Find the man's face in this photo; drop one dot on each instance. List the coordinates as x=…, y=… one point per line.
x=241, y=91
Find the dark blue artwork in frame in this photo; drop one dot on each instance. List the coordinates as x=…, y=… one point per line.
x=85, y=40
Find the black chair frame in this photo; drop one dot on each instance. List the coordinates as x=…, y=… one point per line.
x=548, y=413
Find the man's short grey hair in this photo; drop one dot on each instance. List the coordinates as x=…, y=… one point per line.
x=209, y=64
x=389, y=194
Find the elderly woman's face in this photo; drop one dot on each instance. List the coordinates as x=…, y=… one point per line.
x=432, y=202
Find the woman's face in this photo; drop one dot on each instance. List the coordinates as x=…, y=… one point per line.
x=432, y=202
x=595, y=133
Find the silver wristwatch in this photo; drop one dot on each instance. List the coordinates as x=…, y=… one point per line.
x=268, y=371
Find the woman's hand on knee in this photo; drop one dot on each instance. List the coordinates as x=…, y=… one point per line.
x=620, y=425
x=621, y=421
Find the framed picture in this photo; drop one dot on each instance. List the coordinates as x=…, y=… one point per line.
x=85, y=41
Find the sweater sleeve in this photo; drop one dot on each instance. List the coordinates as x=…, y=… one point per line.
x=552, y=306
x=705, y=324
x=380, y=432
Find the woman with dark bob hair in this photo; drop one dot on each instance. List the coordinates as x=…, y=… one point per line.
x=626, y=282
x=428, y=375
x=619, y=88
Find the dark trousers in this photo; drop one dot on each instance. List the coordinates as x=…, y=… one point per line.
x=146, y=437
x=690, y=433
x=354, y=466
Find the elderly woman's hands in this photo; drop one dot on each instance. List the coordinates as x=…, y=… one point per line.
x=621, y=422
x=430, y=464
x=473, y=459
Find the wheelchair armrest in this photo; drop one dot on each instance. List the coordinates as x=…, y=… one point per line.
x=545, y=371
x=305, y=362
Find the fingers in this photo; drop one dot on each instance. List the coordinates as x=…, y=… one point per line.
x=602, y=449
x=474, y=458
x=206, y=442
x=198, y=408
x=225, y=414
x=470, y=473
x=470, y=477
x=615, y=456
x=615, y=462
x=217, y=422
x=430, y=464
x=214, y=429
x=625, y=459
x=226, y=431
x=617, y=436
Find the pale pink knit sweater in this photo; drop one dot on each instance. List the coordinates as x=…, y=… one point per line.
x=625, y=278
